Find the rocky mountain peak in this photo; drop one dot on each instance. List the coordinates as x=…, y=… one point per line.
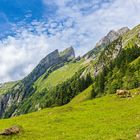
x=68, y=54
x=111, y=36
x=123, y=30
x=54, y=58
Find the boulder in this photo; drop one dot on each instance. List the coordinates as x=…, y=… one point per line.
x=12, y=130
x=123, y=93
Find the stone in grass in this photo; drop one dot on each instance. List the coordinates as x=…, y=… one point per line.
x=12, y=130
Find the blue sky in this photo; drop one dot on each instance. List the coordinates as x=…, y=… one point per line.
x=29, y=30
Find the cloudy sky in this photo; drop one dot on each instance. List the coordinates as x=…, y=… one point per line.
x=29, y=30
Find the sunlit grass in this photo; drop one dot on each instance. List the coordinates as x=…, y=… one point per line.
x=59, y=76
x=6, y=86
x=105, y=118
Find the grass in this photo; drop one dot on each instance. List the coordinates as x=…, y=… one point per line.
x=58, y=76
x=105, y=118
x=131, y=36
x=6, y=86
x=84, y=96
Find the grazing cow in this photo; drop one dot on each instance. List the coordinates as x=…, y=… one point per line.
x=123, y=93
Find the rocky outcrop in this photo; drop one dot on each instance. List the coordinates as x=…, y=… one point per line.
x=10, y=101
x=67, y=54
x=104, y=42
x=111, y=36
x=109, y=54
x=123, y=30
x=50, y=60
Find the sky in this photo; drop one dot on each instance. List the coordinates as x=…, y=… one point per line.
x=29, y=30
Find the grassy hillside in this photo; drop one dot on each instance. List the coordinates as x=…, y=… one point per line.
x=49, y=91
x=84, y=96
x=56, y=87
x=121, y=66
x=6, y=86
x=58, y=76
x=105, y=118
x=131, y=36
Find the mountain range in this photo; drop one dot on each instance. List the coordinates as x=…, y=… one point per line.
x=61, y=78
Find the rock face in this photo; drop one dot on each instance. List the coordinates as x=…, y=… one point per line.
x=10, y=101
x=111, y=52
x=108, y=54
x=50, y=60
x=104, y=42
x=123, y=30
x=67, y=54
x=112, y=36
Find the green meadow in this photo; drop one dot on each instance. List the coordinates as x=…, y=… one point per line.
x=104, y=118
x=58, y=76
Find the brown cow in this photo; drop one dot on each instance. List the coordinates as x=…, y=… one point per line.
x=123, y=93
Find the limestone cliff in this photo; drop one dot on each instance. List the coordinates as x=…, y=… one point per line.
x=50, y=60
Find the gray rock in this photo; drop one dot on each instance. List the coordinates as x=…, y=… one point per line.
x=123, y=30
x=68, y=54
x=112, y=36
x=107, y=56
x=51, y=59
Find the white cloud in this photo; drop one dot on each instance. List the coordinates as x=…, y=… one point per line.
x=89, y=28
x=80, y=24
x=18, y=56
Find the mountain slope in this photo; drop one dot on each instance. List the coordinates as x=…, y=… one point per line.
x=44, y=86
x=109, y=64
x=114, y=69
x=103, y=118
x=10, y=101
x=6, y=86
x=59, y=77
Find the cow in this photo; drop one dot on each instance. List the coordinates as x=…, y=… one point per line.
x=123, y=93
